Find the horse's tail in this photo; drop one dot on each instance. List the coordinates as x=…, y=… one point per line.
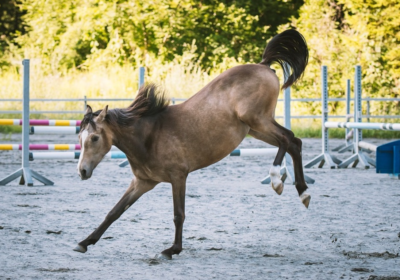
x=289, y=50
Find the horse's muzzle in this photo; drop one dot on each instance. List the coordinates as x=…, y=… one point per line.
x=85, y=173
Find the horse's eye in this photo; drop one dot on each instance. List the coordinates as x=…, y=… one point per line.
x=95, y=138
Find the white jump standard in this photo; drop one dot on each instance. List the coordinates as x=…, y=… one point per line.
x=325, y=156
x=358, y=145
x=358, y=156
x=25, y=173
x=348, y=145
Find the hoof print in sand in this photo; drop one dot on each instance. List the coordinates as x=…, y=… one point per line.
x=53, y=232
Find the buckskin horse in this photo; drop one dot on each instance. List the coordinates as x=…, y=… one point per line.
x=165, y=143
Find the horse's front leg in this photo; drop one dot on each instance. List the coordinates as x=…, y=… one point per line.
x=136, y=189
x=178, y=195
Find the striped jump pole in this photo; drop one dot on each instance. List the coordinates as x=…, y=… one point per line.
x=54, y=130
x=121, y=155
x=70, y=155
x=45, y=147
x=360, y=125
x=41, y=122
x=25, y=174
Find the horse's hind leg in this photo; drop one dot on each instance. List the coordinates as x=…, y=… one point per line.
x=178, y=195
x=273, y=133
x=136, y=189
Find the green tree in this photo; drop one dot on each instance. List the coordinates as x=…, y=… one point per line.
x=69, y=34
x=345, y=33
x=11, y=24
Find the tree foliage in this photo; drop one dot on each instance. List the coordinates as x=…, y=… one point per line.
x=11, y=23
x=75, y=33
x=345, y=33
x=66, y=35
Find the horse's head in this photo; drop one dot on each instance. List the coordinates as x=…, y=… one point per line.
x=95, y=140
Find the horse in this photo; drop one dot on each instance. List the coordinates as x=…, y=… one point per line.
x=165, y=143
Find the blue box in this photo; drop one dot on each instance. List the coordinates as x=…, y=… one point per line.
x=388, y=158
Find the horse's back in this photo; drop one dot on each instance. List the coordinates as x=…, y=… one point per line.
x=208, y=126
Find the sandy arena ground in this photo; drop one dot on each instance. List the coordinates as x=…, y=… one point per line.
x=235, y=228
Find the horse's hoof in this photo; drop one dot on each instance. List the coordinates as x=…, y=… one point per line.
x=276, y=182
x=305, y=199
x=278, y=188
x=80, y=249
x=165, y=256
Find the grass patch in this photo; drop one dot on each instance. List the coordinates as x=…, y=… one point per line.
x=7, y=129
x=305, y=128
x=338, y=133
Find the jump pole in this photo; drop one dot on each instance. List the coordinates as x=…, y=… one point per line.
x=41, y=122
x=45, y=147
x=25, y=173
x=54, y=130
x=121, y=155
x=140, y=84
x=324, y=157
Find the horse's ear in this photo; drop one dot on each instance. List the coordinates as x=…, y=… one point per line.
x=88, y=110
x=102, y=114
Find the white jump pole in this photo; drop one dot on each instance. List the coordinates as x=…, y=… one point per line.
x=54, y=130
x=324, y=156
x=360, y=125
x=121, y=155
x=367, y=146
x=25, y=173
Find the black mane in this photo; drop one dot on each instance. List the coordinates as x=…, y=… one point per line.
x=150, y=100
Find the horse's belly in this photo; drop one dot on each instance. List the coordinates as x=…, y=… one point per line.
x=215, y=147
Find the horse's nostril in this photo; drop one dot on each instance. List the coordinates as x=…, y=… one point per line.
x=83, y=172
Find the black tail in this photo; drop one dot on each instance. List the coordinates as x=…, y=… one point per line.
x=288, y=48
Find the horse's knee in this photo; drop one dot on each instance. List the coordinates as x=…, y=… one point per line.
x=179, y=219
x=113, y=215
x=286, y=139
x=298, y=142
x=296, y=146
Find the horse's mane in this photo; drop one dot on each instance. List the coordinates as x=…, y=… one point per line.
x=150, y=100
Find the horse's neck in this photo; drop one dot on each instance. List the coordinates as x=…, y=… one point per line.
x=131, y=139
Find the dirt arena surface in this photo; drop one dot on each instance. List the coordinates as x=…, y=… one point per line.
x=235, y=227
